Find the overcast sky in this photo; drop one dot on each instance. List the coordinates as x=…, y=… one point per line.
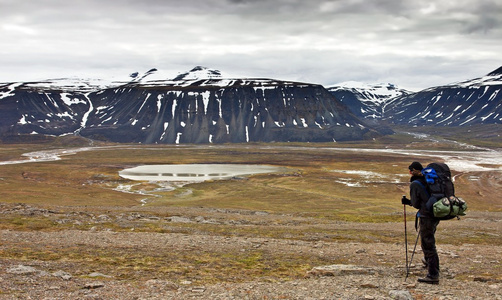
x=414, y=44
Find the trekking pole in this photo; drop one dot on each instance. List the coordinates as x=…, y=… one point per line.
x=406, y=241
x=412, y=254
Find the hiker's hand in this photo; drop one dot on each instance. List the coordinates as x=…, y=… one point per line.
x=405, y=201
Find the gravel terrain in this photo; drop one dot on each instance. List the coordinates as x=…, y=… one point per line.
x=370, y=270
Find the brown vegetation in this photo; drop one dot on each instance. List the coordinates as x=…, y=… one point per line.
x=68, y=215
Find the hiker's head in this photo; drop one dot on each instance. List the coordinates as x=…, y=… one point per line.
x=415, y=168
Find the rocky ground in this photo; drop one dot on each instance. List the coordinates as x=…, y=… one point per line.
x=369, y=270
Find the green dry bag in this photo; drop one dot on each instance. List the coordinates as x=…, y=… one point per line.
x=448, y=208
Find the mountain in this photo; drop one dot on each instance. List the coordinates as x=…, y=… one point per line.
x=367, y=101
x=471, y=102
x=199, y=106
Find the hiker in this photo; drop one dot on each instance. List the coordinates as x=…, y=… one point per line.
x=427, y=222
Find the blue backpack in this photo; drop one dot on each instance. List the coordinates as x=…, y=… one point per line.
x=442, y=200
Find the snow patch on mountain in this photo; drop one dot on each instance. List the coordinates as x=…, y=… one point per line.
x=69, y=99
x=8, y=88
x=82, y=86
x=199, y=73
x=368, y=101
x=493, y=79
x=377, y=93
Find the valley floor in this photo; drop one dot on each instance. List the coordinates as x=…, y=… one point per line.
x=67, y=231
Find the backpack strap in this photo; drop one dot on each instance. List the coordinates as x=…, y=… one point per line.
x=421, y=184
x=418, y=214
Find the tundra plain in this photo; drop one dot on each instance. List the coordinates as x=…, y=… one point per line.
x=72, y=227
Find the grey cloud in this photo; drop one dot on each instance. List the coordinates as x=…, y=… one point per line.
x=482, y=25
x=320, y=41
x=487, y=16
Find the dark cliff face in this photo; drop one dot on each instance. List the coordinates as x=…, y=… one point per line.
x=196, y=111
x=27, y=110
x=213, y=114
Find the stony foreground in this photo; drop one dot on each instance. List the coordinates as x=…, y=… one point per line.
x=355, y=270
x=33, y=282
x=377, y=276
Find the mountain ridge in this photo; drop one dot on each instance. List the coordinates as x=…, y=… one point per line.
x=469, y=102
x=367, y=101
x=202, y=106
x=465, y=103
x=198, y=107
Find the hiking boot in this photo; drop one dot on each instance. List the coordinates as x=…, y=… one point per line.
x=429, y=279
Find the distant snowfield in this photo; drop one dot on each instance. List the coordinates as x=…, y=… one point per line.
x=461, y=161
x=50, y=155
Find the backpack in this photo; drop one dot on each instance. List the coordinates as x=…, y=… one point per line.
x=442, y=200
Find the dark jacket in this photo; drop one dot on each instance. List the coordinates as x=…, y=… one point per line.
x=419, y=196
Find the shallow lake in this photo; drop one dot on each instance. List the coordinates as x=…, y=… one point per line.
x=194, y=172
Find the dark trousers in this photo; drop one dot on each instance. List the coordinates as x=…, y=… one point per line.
x=428, y=241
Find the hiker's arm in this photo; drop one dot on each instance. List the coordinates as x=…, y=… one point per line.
x=415, y=198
